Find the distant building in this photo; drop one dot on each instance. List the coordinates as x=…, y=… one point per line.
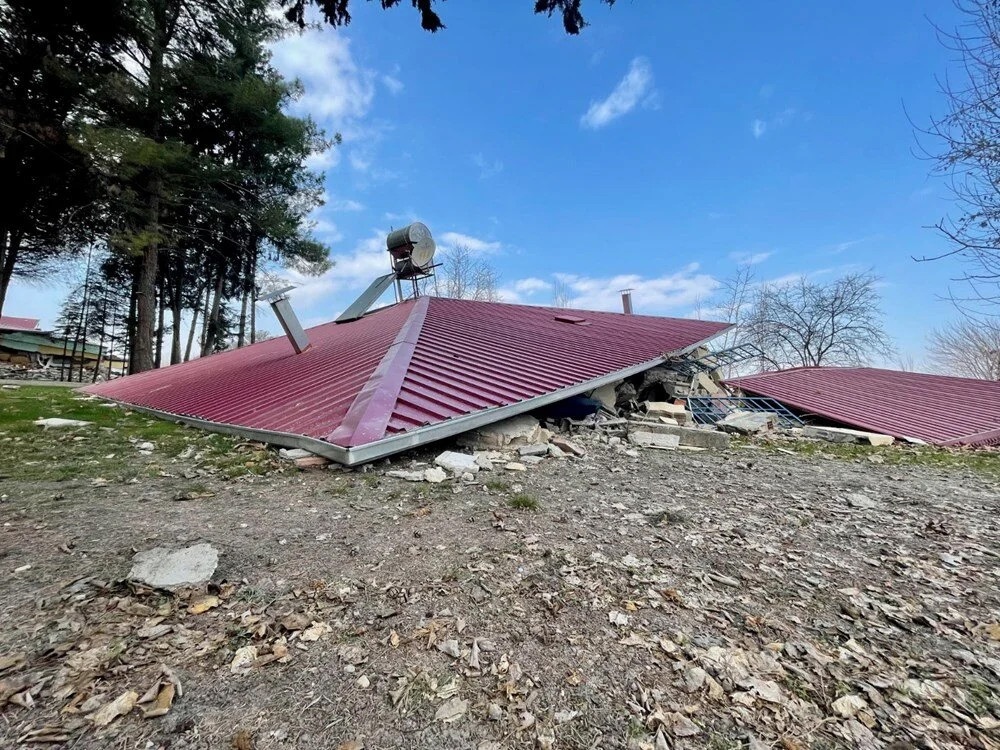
x=24, y=344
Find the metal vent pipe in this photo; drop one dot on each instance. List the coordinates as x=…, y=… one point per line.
x=627, y=301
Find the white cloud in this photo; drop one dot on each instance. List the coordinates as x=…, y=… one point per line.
x=629, y=93
x=476, y=245
x=750, y=259
x=487, y=168
x=343, y=204
x=338, y=92
x=393, y=84
x=759, y=127
x=531, y=285
x=650, y=294
x=350, y=274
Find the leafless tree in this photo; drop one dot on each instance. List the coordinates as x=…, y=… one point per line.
x=966, y=149
x=806, y=324
x=560, y=294
x=734, y=306
x=464, y=275
x=969, y=347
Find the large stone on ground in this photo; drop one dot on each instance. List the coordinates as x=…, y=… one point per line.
x=694, y=437
x=746, y=422
x=520, y=430
x=59, y=422
x=457, y=463
x=654, y=440
x=165, y=568
x=846, y=435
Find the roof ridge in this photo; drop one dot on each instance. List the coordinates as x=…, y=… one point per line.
x=368, y=416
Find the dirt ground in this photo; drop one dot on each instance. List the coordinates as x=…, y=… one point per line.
x=747, y=598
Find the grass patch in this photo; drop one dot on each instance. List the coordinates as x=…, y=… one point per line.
x=980, y=462
x=524, y=502
x=495, y=485
x=106, y=448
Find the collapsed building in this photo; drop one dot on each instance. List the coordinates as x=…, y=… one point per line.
x=376, y=382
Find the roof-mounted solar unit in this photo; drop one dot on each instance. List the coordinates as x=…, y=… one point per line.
x=411, y=252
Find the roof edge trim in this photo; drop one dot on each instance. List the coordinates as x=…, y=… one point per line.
x=987, y=437
x=368, y=416
x=441, y=430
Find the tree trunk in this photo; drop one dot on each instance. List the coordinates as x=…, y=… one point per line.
x=253, y=298
x=241, y=339
x=9, y=259
x=158, y=353
x=129, y=353
x=146, y=292
x=176, y=311
x=212, y=323
x=100, y=345
x=193, y=328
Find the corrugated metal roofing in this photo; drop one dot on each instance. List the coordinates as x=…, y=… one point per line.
x=383, y=382
x=934, y=408
x=11, y=323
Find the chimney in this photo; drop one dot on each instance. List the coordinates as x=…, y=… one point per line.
x=288, y=320
x=627, y=301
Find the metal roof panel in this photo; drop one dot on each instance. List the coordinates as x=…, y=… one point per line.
x=935, y=408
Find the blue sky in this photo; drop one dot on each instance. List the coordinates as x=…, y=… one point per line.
x=666, y=143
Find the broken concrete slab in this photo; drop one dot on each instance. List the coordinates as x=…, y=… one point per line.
x=293, y=454
x=654, y=440
x=846, y=435
x=166, y=568
x=457, y=463
x=677, y=412
x=60, y=423
x=747, y=422
x=531, y=460
x=523, y=429
x=690, y=436
x=567, y=446
x=537, y=449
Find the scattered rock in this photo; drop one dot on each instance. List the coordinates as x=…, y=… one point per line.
x=857, y=500
x=515, y=466
x=435, y=475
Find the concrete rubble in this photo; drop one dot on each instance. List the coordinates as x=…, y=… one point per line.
x=846, y=435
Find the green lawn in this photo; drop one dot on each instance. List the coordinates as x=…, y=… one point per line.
x=981, y=461
x=107, y=448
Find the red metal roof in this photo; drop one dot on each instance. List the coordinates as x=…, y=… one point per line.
x=10, y=323
x=934, y=408
x=408, y=366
